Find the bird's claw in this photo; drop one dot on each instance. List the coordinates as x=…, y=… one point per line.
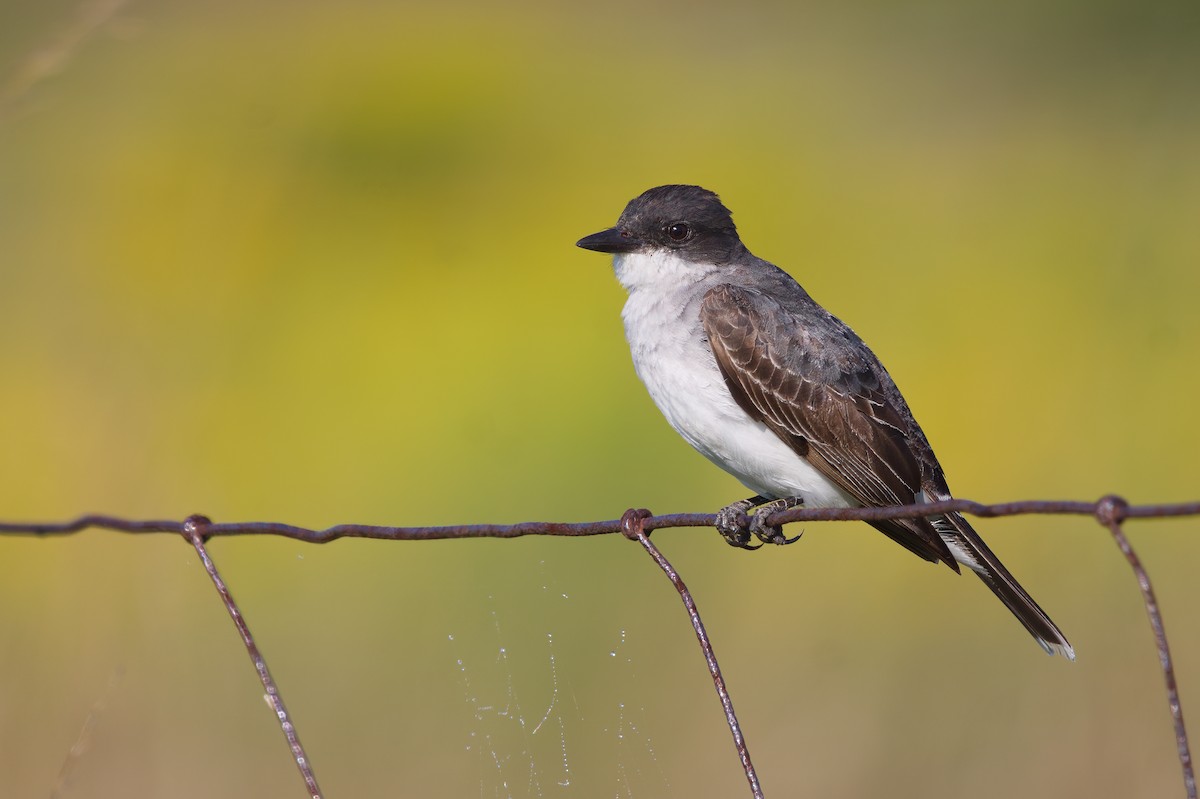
x=736, y=527
x=773, y=533
x=733, y=525
x=769, y=533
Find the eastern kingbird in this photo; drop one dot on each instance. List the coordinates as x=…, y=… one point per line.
x=778, y=392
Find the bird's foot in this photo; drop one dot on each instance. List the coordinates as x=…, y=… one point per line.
x=773, y=533
x=736, y=528
x=733, y=525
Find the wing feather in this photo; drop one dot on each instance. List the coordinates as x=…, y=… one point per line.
x=822, y=396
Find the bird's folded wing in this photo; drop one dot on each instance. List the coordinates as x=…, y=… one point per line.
x=817, y=391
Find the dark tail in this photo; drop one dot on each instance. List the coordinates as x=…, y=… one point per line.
x=969, y=550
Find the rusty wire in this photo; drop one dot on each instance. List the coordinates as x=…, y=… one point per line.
x=195, y=529
x=632, y=527
x=801, y=514
x=1109, y=511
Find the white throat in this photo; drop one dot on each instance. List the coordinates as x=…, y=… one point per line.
x=658, y=271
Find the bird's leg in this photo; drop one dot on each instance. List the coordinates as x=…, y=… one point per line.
x=731, y=524
x=773, y=534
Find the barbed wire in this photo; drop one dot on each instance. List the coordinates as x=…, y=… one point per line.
x=1109, y=511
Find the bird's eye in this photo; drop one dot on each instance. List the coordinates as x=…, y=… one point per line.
x=679, y=231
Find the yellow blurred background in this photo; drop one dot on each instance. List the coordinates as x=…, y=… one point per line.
x=313, y=263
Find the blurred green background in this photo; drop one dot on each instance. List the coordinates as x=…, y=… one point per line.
x=314, y=263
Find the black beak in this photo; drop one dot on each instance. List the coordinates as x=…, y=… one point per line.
x=611, y=240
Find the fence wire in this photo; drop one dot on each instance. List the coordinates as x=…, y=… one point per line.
x=1110, y=512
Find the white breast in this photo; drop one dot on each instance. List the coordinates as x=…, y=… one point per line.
x=673, y=359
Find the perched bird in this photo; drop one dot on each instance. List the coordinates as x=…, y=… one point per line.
x=778, y=392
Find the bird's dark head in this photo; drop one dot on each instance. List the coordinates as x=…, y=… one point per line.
x=687, y=220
